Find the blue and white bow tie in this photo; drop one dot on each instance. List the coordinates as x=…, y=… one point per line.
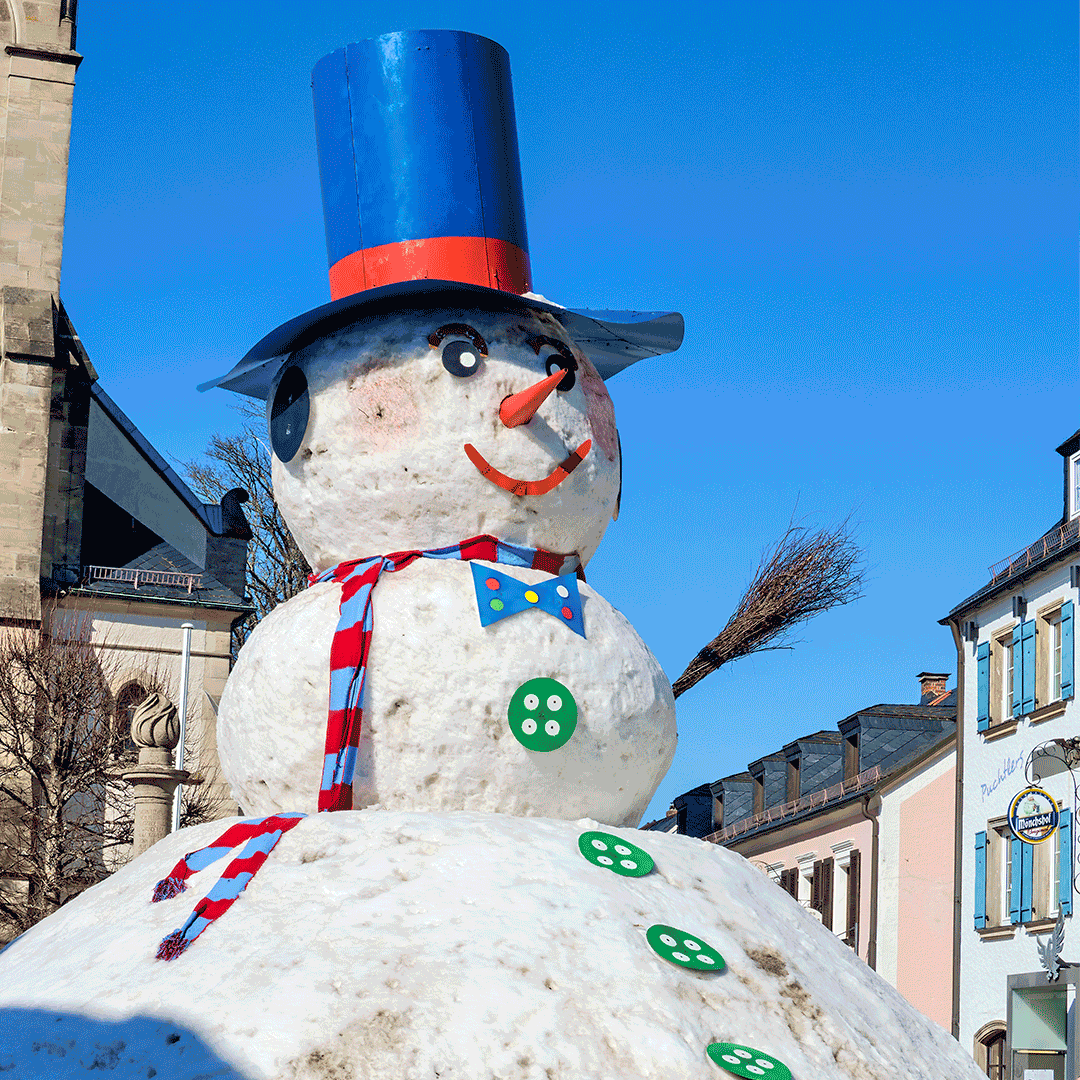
x=498, y=596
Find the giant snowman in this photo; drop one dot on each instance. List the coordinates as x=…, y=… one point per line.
x=472, y=731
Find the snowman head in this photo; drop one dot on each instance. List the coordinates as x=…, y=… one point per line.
x=420, y=427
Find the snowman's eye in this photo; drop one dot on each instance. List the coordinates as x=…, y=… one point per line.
x=461, y=358
x=562, y=357
x=289, y=414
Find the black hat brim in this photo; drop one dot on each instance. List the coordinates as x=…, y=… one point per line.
x=613, y=340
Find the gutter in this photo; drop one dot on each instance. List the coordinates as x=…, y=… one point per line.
x=958, y=838
x=872, y=817
x=242, y=609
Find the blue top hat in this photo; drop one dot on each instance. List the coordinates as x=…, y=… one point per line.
x=422, y=201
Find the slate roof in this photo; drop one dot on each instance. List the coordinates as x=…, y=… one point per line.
x=209, y=514
x=165, y=558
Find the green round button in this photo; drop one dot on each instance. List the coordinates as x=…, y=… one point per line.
x=615, y=854
x=746, y=1061
x=542, y=715
x=686, y=950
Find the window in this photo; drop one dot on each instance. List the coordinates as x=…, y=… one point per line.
x=127, y=701
x=1022, y=883
x=792, y=779
x=1025, y=666
x=990, y=1050
x=1074, y=486
x=851, y=756
x=821, y=891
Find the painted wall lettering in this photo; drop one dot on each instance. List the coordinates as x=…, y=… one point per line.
x=1007, y=768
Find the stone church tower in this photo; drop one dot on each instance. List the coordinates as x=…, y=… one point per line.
x=44, y=373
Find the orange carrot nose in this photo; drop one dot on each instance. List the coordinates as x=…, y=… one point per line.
x=521, y=408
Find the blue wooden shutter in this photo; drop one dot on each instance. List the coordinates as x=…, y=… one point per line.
x=984, y=688
x=1065, y=863
x=1018, y=667
x=1067, y=666
x=1027, y=881
x=980, y=880
x=1027, y=637
x=1014, y=880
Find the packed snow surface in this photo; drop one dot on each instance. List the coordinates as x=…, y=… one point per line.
x=435, y=732
x=464, y=946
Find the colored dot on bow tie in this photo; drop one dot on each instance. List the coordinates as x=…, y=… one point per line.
x=531, y=597
x=563, y=591
x=495, y=605
x=567, y=613
x=492, y=583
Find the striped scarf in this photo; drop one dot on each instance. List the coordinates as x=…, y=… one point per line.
x=348, y=668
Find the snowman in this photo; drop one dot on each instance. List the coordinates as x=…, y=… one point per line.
x=486, y=727
x=436, y=405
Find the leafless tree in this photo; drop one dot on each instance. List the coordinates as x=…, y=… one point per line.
x=276, y=567
x=804, y=574
x=66, y=816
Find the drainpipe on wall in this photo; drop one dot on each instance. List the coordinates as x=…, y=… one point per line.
x=871, y=808
x=958, y=829
x=185, y=665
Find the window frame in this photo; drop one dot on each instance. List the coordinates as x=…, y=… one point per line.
x=1001, y=647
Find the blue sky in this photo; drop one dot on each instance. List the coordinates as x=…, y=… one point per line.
x=866, y=213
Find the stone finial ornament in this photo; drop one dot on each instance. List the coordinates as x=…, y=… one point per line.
x=155, y=723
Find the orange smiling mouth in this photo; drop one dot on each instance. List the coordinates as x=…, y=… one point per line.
x=529, y=487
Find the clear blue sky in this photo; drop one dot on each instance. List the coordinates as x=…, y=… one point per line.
x=866, y=213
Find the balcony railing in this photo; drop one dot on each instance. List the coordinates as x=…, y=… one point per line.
x=1047, y=545
x=789, y=809
x=146, y=577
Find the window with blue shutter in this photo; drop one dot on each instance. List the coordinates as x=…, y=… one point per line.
x=1027, y=880
x=980, y=880
x=1017, y=670
x=1027, y=666
x=1067, y=666
x=1014, y=880
x=1065, y=866
x=984, y=688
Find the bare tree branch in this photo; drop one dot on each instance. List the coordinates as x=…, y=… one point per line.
x=276, y=568
x=802, y=575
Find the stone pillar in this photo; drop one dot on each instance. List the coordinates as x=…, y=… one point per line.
x=155, y=727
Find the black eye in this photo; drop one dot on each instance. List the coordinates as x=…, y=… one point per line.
x=289, y=414
x=461, y=358
x=567, y=362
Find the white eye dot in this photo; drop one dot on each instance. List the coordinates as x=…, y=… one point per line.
x=467, y=359
x=681, y=956
x=554, y=703
x=691, y=945
x=668, y=940
x=628, y=864
x=731, y=1059
x=622, y=849
x=763, y=1063
x=528, y=725
x=599, y=845
x=706, y=959
x=604, y=859
x=755, y=1070
x=531, y=701
x=552, y=727
x=744, y=1054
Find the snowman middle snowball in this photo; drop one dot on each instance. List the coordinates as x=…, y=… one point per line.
x=391, y=404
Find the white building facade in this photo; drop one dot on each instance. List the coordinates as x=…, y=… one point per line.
x=1018, y=722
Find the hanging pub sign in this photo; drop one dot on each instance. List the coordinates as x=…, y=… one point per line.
x=1033, y=815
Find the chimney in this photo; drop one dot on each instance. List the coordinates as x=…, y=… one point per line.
x=933, y=685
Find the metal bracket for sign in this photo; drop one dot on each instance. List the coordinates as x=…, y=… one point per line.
x=1067, y=752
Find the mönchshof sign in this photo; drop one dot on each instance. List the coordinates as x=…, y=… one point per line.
x=1033, y=815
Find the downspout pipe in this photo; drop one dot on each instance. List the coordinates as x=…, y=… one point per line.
x=871, y=810
x=185, y=666
x=958, y=829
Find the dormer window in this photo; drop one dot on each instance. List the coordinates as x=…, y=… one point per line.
x=1074, y=485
